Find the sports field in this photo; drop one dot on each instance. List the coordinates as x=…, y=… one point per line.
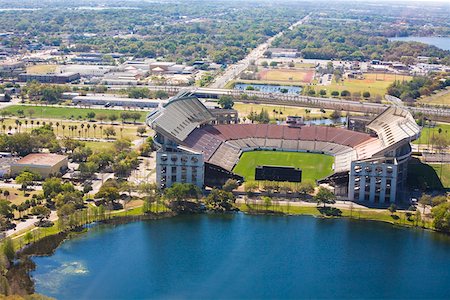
x=287, y=75
x=428, y=132
x=375, y=84
x=278, y=111
x=314, y=166
x=42, y=69
x=442, y=97
x=60, y=112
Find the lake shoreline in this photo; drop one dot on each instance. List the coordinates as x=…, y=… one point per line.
x=19, y=275
x=21, y=270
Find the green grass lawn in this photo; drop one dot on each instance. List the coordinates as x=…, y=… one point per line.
x=442, y=97
x=428, y=132
x=422, y=175
x=376, y=84
x=314, y=166
x=444, y=174
x=55, y=112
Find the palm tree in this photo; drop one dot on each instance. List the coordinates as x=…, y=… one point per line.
x=17, y=122
x=63, y=127
x=121, y=130
x=9, y=128
x=88, y=126
x=4, y=128
x=94, y=126
x=32, y=123
x=101, y=131
x=57, y=126
x=26, y=124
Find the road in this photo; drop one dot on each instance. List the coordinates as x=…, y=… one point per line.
x=232, y=71
x=23, y=226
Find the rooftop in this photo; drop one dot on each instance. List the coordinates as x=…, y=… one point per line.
x=42, y=159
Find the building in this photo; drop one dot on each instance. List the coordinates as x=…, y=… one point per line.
x=382, y=177
x=282, y=52
x=44, y=164
x=369, y=166
x=11, y=65
x=86, y=70
x=163, y=67
x=116, y=101
x=66, y=77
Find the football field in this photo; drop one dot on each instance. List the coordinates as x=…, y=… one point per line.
x=314, y=166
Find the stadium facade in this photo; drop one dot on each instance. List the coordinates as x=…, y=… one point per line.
x=369, y=166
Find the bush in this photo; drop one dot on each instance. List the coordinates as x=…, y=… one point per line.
x=345, y=93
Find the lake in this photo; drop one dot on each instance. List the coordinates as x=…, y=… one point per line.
x=269, y=88
x=239, y=256
x=440, y=42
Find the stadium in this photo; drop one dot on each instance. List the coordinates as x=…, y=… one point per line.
x=368, y=166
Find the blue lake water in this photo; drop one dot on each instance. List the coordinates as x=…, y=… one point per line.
x=239, y=256
x=269, y=88
x=440, y=42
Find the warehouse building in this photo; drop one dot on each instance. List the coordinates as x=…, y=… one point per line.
x=66, y=77
x=44, y=164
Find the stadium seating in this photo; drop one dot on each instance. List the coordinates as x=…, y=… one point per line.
x=222, y=144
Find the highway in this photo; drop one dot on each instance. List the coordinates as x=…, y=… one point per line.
x=232, y=71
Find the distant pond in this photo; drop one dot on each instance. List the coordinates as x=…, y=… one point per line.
x=438, y=41
x=269, y=88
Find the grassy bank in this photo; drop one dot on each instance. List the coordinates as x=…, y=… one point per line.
x=65, y=113
x=398, y=218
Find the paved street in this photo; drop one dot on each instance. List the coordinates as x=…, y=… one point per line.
x=232, y=71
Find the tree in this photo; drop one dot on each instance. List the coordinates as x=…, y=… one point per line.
x=322, y=92
x=334, y=93
x=325, y=196
x=250, y=188
x=124, y=116
x=112, y=117
x=122, y=145
x=226, y=102
x=90, y=115
x=101, y=117
x=42, y=211
x=135, y=116
x=267, y=201
x=220, y=200
x=425, y=200
x=230, y=185
x=8, y=248
x=345, y=93
x=437, y=200
x=5, y=208
x=109, y=131
x=108, y=192
x=182, y=191
x=26, y=178
x=335, y=115
x=366, y=95
x=141, y=130
x=392, y=208
x=28, y=237
x=441, y=217
x=305, y=188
